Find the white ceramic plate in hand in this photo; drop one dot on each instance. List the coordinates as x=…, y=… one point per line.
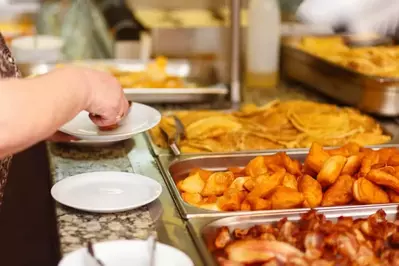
x=106, y=192
x=127, y=253
x=140, y=118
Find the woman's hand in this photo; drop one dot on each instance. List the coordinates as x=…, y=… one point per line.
x=105, y=100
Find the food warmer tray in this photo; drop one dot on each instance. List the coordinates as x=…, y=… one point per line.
x=368, y=93
x=388, y=125
x=204, y=229
x=156, y=150
x=202, y=73
x=175, y=169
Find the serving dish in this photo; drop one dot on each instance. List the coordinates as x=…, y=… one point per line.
x=390, y=127
x=176, y=169
x=202, y=73
x=372, y=94
x=205, y=229
x=276, y=125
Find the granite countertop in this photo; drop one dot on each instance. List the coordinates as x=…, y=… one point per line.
x=75, y=227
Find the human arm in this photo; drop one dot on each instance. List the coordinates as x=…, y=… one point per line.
x=33, y=109
x=355, y=16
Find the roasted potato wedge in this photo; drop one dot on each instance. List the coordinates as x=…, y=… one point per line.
x=217, y=184
x=370, y=158
x=340, y=193
x=192, y=184
x=267, y=186
x=231, y=200
x=256, y=167
x=316, y=158
x=331, y=170
x=384, y=178
x=352, y=164
x=366, y=192
x=311, y=190
x=286, y=198
x=290, y=181
x=192, y=198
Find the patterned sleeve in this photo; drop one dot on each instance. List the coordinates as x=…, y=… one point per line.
x=8, y=68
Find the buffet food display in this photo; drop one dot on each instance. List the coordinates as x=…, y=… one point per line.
x=277, y=125
x=363, y=77
x=374, y=61
x=349, y=175
x=160, y=81
x=154, y=75
x=272, y=181
x=313, y=240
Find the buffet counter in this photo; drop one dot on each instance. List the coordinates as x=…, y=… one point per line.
x=30, y=225
x=77, y=228
x=162, y=216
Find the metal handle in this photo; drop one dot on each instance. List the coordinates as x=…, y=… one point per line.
x=235, y=62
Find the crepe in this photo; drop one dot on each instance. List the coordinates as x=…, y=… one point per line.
x=277, y=125
x=382, y=61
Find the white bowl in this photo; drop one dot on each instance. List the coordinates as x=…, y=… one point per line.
x=40, y=48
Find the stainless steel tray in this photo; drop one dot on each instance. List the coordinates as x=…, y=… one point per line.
x=201, y=72
x=370, y=94
x=389, y=126
x=176, y=169
x=204, y=230
x=155, y=149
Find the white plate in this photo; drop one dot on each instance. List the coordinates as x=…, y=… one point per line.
x=106, y=192
x=127, y=253
x=140, y=118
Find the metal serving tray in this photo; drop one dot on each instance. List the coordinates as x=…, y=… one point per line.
x=156, y=150
x=370, y=94
x=176, y=169
x=201, y=72
x=204, y=230
x=389, y=126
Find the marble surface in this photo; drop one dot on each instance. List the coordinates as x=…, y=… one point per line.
x=76, y=227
